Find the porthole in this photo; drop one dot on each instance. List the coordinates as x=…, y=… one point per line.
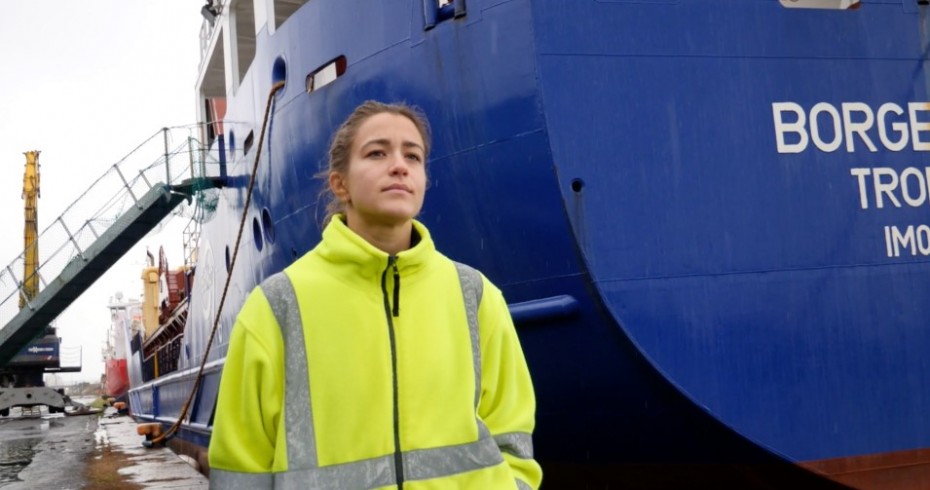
x=279, y=72
x=231, y=147
x=268, y=226
x=257, y=234
x=247, y=144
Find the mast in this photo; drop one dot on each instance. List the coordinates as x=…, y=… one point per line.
x=30, y=233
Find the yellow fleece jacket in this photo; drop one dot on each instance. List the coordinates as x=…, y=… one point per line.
x=351, y=364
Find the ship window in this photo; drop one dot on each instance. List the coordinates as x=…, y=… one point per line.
x=228, y=260
x=326, y=74
x=443, y=10
x=283, y=9
x=257, y=234
x=820, y=4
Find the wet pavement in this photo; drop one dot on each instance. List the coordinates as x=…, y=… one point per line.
x=52, y=451
x=152, y=468
x=47, y=451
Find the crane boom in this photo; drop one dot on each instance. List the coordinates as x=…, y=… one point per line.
x=31, y=232
x=21, y=379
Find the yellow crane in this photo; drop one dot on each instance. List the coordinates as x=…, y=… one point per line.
x=31, y=196
x=21, y=378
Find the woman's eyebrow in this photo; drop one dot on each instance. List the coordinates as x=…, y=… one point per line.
x=387, y=142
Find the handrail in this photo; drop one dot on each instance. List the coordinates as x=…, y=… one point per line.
x=102, y=204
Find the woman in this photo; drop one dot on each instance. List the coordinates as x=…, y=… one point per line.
x=336, y=377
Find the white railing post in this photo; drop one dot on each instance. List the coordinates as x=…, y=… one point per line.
x=128, y=187
x=167, y=165
x=71, y=237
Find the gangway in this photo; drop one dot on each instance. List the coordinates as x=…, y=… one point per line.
x=127, y=207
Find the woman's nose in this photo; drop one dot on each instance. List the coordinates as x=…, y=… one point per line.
x=398, y=164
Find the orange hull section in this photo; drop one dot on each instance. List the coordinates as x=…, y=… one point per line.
x=899, y=470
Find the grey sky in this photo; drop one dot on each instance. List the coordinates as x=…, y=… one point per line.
x=84, y=83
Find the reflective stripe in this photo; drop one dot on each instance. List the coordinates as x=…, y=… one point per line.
x=522, y=485
x=234, y=480
x=472, y=289
x=368, y=473
x=298, y=412
x=519, y=444
x=424, y=464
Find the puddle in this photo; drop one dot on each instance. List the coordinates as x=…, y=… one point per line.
x=14, y=456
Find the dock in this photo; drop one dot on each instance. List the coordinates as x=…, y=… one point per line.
x=157, y=467
x=97, y=451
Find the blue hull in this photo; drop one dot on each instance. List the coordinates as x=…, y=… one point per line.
x=721, y=298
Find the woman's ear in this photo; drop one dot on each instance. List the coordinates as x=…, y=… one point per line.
x=337, y=185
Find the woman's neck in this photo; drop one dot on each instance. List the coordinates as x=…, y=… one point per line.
x=391, y=239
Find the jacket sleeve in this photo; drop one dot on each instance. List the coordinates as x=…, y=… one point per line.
x=248, y=405
x=508, y=404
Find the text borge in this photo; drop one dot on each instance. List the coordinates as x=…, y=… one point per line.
x=890, y=125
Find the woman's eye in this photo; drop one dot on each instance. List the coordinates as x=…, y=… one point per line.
x=414, y=157
x=375, y=154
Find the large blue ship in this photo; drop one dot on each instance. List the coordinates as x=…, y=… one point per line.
x=711, y=218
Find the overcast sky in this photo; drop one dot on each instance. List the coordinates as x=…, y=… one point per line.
x=85, y=82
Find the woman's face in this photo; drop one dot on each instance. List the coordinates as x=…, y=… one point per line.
x=385, y=183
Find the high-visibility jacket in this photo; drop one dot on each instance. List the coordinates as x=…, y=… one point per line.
x=354, y=369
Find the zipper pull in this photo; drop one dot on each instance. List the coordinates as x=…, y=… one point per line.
x=396, y=312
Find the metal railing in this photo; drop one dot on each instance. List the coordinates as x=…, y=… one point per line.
x=170, y=156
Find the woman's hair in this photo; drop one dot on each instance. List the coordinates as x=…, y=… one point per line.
x=340, y=148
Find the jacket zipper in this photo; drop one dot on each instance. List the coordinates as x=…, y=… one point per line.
x=398, y=457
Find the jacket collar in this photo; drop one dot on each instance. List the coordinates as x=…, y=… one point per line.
x=341, y=245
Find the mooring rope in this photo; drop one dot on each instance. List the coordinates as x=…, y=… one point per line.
x=232, y=262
